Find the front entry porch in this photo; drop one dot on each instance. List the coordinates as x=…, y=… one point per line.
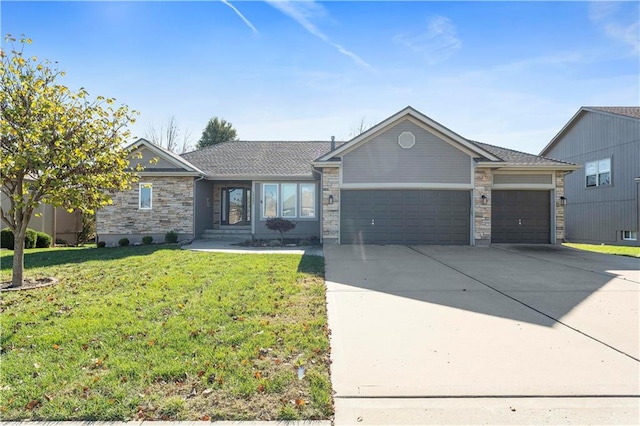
x=232, y=206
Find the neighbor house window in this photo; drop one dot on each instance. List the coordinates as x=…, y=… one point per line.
x=598, y=173
x=289, y=193
x=308, y=200
x=270, y=200
x=630, y=235
x=145, y=196
x=289, y=200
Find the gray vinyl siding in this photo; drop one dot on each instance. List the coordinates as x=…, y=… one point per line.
x=203, y=219
x=430, y=160
x=599, y=214
x=147, y=160
x=305, y=228
x=523, y=178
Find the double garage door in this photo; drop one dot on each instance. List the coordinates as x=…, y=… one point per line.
x=404, y=217
x=440, y=217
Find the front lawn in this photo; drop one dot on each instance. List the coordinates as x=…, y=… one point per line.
x=618, y=250
x=156, y=332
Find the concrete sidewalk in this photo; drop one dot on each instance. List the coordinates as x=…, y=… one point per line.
x=230, y=245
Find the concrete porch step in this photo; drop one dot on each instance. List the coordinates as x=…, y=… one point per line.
x=213, y=234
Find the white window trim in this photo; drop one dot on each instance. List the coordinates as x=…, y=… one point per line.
x=142, y=185
x=597, y=174
x=631, y=236
x=281, y=207
x=264, y=201
x=315, y=196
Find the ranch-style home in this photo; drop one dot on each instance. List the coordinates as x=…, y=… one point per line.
x=407, y=180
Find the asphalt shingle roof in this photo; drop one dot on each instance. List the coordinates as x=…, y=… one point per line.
x=259, y=158
x=519, y=158
x=292, y=159
x=633, y=112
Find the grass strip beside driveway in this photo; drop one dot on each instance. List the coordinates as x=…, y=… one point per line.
x=605, y=249
x=156, y=332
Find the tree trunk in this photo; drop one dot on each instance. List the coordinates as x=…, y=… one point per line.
x=18, y=259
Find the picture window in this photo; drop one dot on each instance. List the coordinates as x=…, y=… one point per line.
x=289, y=200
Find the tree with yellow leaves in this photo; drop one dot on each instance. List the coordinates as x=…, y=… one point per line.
x=58, y=146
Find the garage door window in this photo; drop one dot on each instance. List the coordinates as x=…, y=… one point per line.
x=598, y=173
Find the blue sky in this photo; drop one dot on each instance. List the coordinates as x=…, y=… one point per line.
x=506, y=73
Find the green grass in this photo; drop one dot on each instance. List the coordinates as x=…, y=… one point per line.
x=617, y=250
x=156, y=332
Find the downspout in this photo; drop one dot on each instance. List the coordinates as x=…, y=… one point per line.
x=193, y=215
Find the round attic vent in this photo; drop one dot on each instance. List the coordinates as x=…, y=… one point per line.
x=406, y=140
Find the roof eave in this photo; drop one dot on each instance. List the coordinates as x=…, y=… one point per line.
x=180, y=174
x=490, y=164
x=323, y=164
x=560, y=167
x=260, y=177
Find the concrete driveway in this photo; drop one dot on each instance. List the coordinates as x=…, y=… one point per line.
x=500, y=335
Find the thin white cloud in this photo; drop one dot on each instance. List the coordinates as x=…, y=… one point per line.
x=437, y=44
x=303, y=12
x=244, y=19
x=617, y=23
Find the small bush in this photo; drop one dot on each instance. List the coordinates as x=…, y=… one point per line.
x=30, y=239
x=61, y=242
x=281, y=225
x=146, y=240
x=43, y=240
x=101, y=244
x=171, y=237
x=6, y=239
x=123, y=242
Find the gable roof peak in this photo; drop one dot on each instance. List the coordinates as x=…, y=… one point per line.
x=163, y=152
x=451, y=136
x=627, y=112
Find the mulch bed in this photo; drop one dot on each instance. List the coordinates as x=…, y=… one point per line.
x=29, y=284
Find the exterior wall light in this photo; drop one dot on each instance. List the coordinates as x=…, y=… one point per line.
x=330, y=199
x=563, y=201
x=484, y=200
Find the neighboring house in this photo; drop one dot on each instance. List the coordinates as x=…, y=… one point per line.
x=55, y=221
x=407, y=180
x=603, y=199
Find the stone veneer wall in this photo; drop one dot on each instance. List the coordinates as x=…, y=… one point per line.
x=172, y=209
x=559, y=207
x=217, y=206
x=482, y=212
x=330, y=212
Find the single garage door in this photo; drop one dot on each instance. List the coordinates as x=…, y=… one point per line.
x=521, y=217
x=404, y=217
